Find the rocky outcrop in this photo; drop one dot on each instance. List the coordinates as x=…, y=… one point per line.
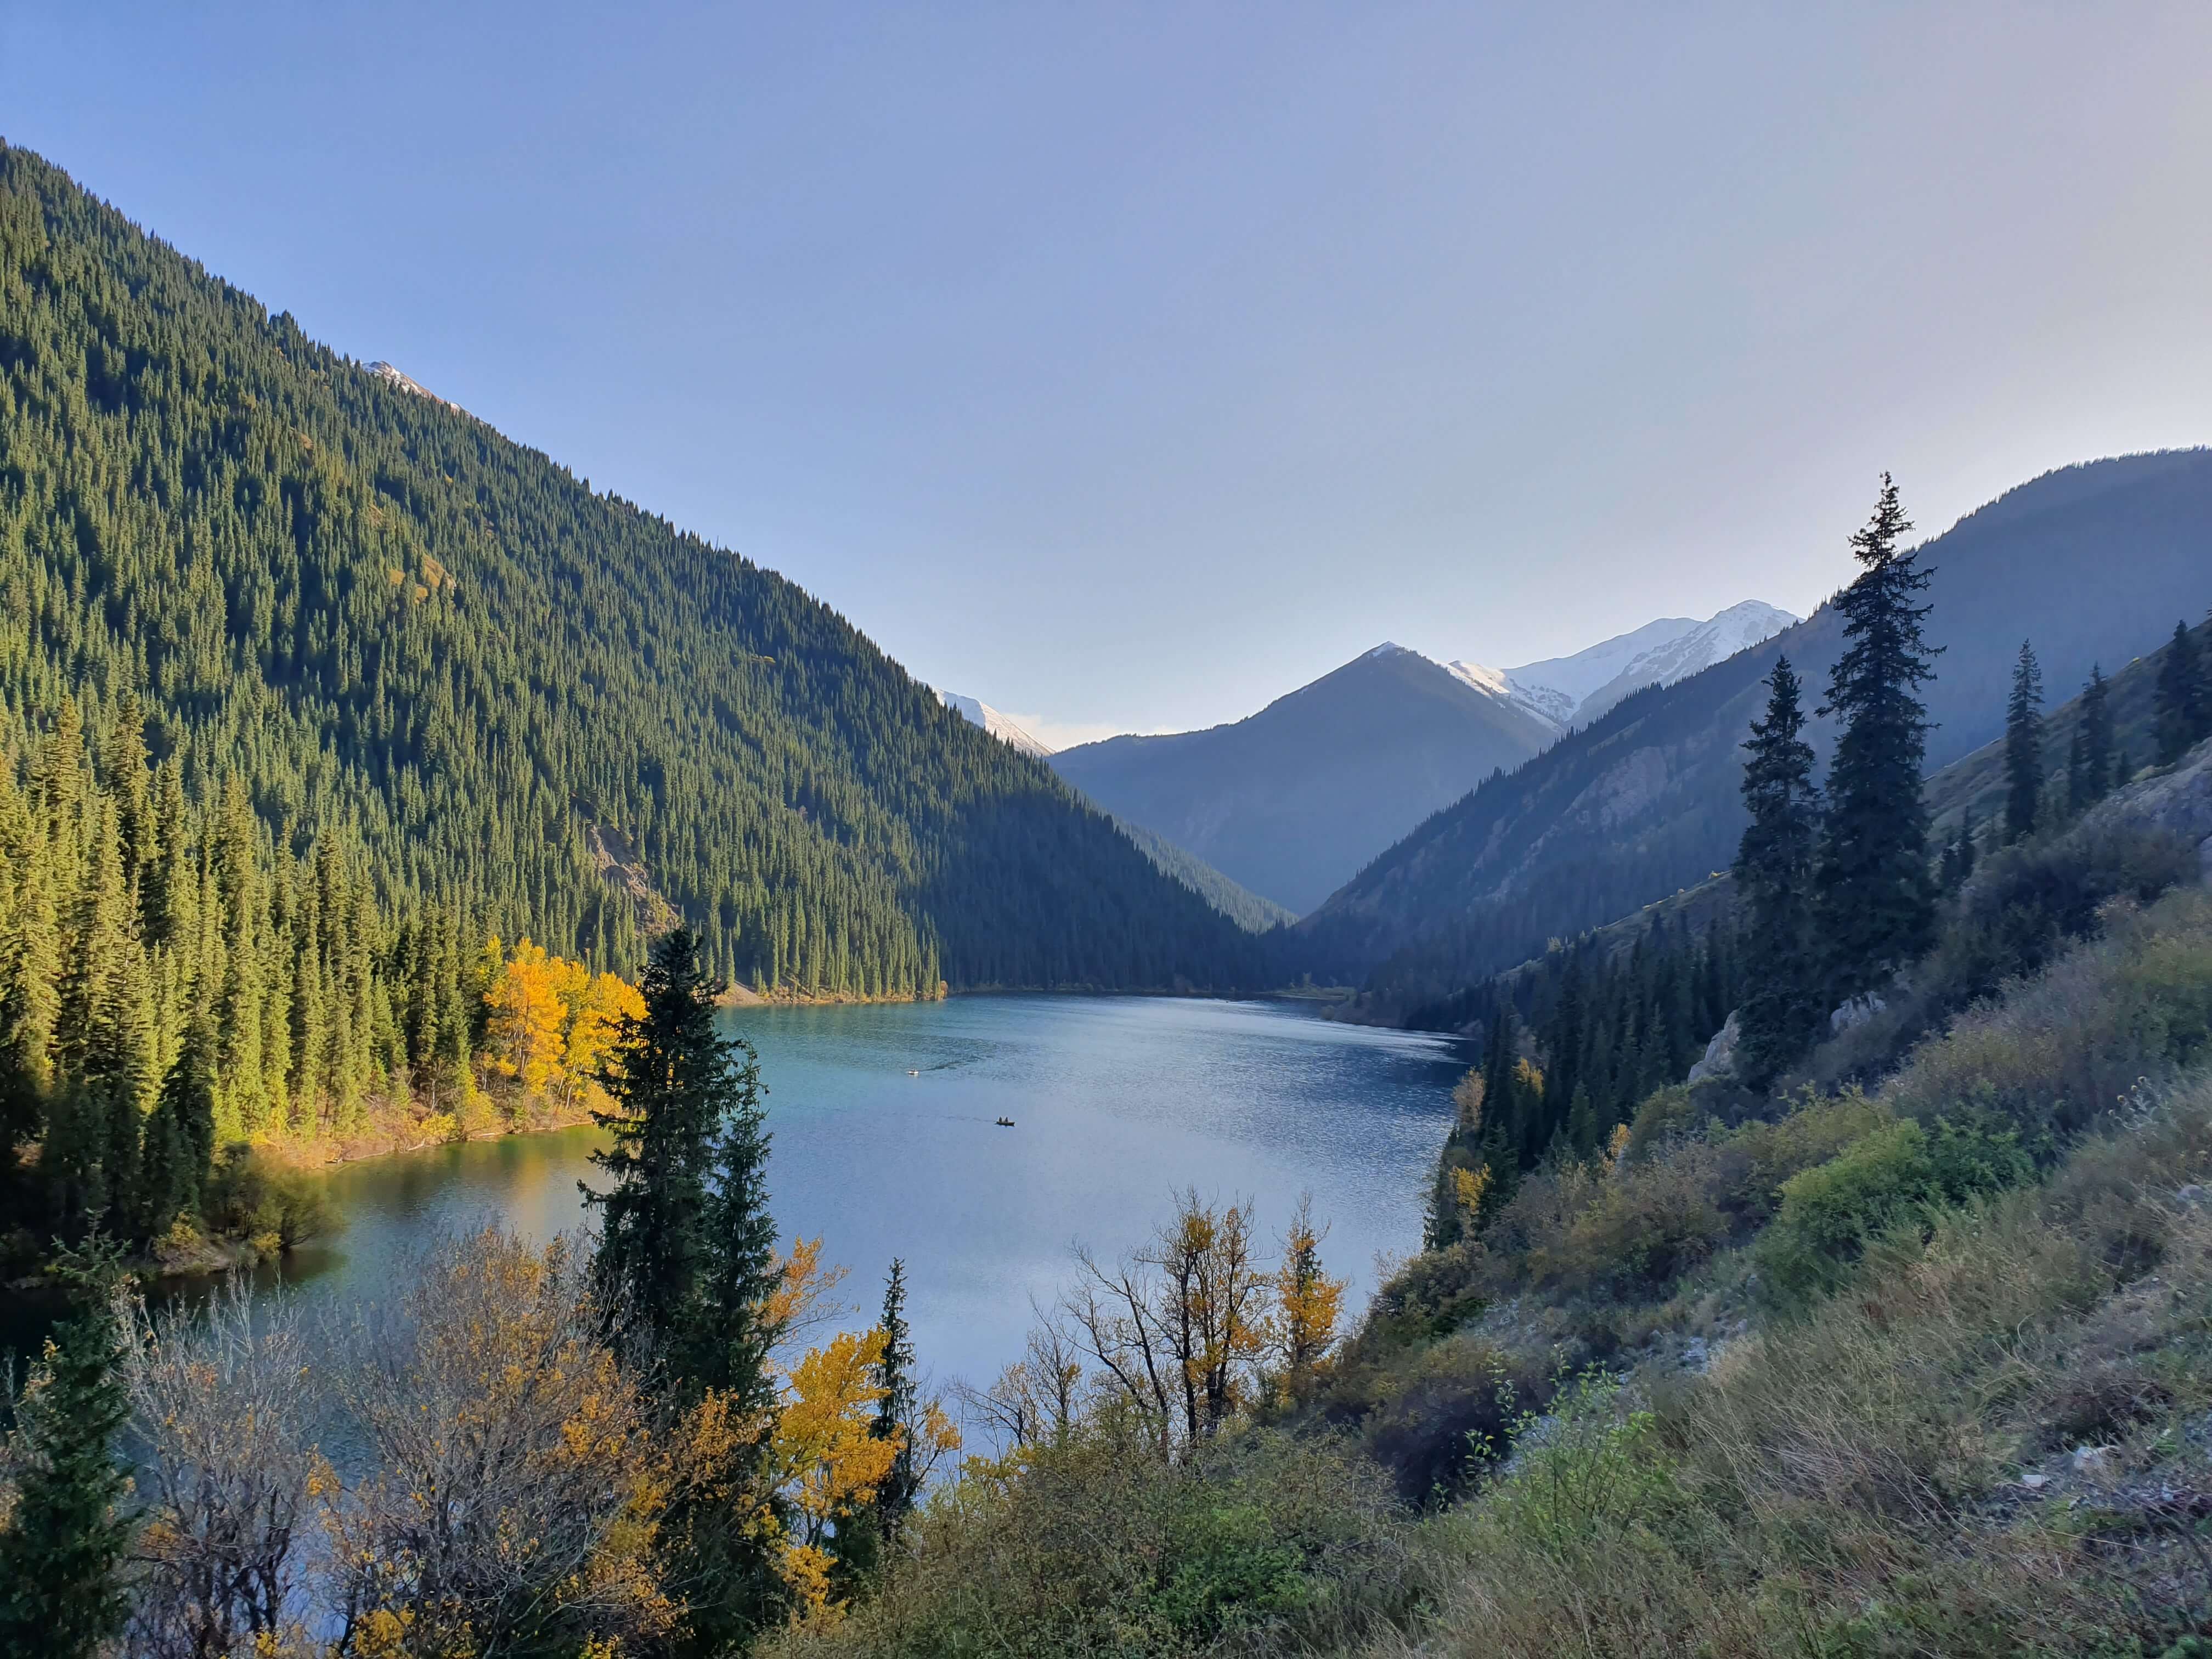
x=1720, y=1054
x=2178, y=800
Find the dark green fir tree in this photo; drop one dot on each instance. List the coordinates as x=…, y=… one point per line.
x=1781, y=1008
x=2024, y=745
x=1874, y=897
x=61, y=1553
x=2184, y=707
x=686, y=1264
x=2089, y=767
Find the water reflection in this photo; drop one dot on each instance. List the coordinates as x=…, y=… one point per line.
x=885, y=1143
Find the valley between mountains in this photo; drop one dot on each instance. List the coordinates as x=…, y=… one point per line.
x=1797, y=1109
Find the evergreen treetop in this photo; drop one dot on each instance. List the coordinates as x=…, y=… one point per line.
x=1875, y=902
x=1774, y=871
x=2024, y=745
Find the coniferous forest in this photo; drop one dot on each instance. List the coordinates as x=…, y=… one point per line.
x=511, y=694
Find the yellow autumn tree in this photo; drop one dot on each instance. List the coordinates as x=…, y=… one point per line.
x=1308, y=1301
x=831, y=1463
x=522, y=1036
x=594, y=1005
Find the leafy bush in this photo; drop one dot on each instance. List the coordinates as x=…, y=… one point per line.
x=1896, y=1177
x=1758, y=1157
x=1433, y=1416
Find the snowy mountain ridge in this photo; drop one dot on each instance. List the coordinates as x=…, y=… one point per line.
x=1001, y=726
x=1574, y=690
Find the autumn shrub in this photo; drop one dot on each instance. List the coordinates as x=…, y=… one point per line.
x=1756, y=1158
x=1428, y=1296
x=2067, y=1048
x=1607, y=1228
x=1433, y=1417
x=1263, y=1543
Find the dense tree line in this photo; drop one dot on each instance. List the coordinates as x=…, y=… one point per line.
x=1572, y=1045
x=388, y=623
x=175, y=976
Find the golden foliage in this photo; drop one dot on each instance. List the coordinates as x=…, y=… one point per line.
x=1307, y=1300
x=552, y=1021
x=1469, y=1188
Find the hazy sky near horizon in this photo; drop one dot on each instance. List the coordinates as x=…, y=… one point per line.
x=1128, y=366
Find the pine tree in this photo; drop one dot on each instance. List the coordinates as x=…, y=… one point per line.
x=2183, y=704
x=1781, y=1011
x=2094, y=780
x=62, y=1552
x=1874, y=901
x=179, y=1143
x=686, y=1262
x=2024, y=745
x=862, y=1542
x=900, y=1408
x=669, y=1075
x=741, y=1273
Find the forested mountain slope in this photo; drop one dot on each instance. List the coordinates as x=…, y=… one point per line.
x=401, y=627
x=1290, y=801
x=2094, y=564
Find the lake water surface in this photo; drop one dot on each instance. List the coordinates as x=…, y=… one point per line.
x=884, y=1145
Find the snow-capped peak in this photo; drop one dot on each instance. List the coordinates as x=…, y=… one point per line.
x=999, y=725
x=1492, y=680
x=1575, y=690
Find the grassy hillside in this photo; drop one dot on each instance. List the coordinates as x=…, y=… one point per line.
x=2094, y=564
x=510, y=688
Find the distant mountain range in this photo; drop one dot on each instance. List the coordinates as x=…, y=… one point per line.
x=1570, y=691
x=1290, y=801
x=2093, y=564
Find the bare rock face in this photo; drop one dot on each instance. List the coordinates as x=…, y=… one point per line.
x=387, y=372
x=2178, y=800
x=1720, y=1053
x=1854, y=1012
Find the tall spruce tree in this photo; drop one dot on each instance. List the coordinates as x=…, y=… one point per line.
x=686, y=1264
x=2024, y=745
x=668, y=1075
x=1782, y=1009
x=1875, y=898
x=739, y=1334
x=61, y=1553
x=2090, y=775
x=2183, y=704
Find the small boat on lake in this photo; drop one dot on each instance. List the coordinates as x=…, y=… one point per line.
x=1006, y=1123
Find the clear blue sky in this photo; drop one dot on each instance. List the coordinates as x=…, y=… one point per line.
x=1126, y=366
